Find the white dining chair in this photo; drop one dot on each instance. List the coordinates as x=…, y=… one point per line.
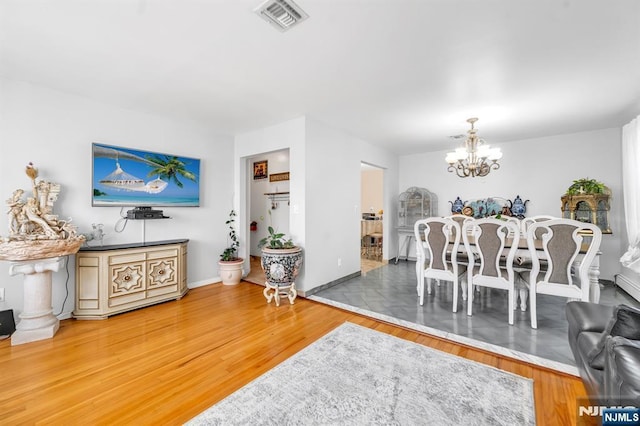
x=524, y=265
x=437, y=254
x=521, y=288
x=462, y=259
x=460, y=218
x=561, y=252
x=489, y=239
x=511, y=219
x=527, y=221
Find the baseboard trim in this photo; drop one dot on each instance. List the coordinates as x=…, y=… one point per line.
x=202, y=283
x=64, y=316
x=314, y=290
x=628, y=285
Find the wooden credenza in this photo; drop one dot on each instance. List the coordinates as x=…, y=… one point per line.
x=117, y=278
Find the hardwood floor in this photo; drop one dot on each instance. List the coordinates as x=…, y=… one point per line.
x=166, y=363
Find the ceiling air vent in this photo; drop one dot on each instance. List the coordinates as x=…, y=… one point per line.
x=281, y=14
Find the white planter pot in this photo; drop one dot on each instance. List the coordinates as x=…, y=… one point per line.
x=230, y=271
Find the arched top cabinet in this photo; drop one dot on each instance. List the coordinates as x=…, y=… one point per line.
x=415, y=204
x=590, y=208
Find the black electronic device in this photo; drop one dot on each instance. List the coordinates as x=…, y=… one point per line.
x=7, y=323
x=145, y=213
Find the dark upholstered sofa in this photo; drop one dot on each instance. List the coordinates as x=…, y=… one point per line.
x=605, y=342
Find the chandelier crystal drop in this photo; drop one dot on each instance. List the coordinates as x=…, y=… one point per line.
x=475, y=158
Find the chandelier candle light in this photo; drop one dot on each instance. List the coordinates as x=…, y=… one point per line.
x=474, y=159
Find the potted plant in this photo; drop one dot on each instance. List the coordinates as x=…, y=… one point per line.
x=281, y=259
x=586, y=186
x=230, y=265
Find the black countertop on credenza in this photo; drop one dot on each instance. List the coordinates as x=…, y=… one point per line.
x=133, y=245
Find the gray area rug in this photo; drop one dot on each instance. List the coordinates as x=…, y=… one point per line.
x=358, y=376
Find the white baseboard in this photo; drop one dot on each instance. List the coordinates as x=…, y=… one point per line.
x=628, y=285
x=212, y=280
x=64, y=316
x=202, y=283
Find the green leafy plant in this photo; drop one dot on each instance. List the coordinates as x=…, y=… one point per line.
x=586, y=186
x=229, y=254
x=275, y=240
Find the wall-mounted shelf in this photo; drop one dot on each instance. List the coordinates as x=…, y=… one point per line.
x=276, y=197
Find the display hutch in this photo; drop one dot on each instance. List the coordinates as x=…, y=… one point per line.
x=587, y=200
x=414, y=204
x=590, y=208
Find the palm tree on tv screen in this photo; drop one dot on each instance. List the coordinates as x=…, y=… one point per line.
x=170, y=168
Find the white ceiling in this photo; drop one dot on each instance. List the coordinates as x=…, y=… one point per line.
x=403, y=74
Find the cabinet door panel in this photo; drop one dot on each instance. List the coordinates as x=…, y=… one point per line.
x=126, y=279
x=88, y=286
x=162, y=272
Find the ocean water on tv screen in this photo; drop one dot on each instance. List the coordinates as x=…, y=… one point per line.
x=144, y=200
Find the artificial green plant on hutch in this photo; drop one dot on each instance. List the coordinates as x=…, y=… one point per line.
x=587, y=200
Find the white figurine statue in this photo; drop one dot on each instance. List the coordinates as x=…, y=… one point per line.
x=33, y=228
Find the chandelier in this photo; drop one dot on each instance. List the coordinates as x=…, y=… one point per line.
x=475, y=158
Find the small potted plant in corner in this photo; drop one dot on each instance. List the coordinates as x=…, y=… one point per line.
x=281, y=262
x=230, y=265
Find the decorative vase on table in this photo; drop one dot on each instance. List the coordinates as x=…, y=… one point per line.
x=457, y=206
x=518, y=207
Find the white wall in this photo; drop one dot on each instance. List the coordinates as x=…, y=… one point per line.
x=55, y=131
x=333, y=202
x=254, y=145
x=539, y=170
x=325, y=192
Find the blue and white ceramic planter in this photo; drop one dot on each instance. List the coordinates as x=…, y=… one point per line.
x=281, y=266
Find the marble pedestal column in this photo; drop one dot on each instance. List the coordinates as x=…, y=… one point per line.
x=37, y=321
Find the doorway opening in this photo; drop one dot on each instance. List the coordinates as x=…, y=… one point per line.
x=371, y=223
x=268, y=203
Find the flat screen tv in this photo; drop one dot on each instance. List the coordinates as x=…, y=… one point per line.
x=132, y=177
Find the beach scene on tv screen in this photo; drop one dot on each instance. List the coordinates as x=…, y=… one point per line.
x=130, y=177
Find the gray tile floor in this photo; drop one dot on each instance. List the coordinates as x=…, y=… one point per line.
x=391, y=290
